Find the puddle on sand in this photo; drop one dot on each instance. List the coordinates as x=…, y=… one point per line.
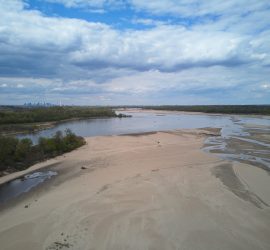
x=23, y=184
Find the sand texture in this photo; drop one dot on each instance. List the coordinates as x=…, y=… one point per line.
x=146, y=191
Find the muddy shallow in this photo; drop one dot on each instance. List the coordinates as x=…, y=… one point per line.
x=24, y=184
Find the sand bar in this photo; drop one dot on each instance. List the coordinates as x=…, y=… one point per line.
x=150, y=191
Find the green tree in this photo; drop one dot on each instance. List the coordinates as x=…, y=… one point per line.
x=47, y=145
x=23, y=148
x=7, y=151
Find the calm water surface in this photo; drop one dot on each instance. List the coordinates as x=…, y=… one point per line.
x=145, y=122
x=23, y=185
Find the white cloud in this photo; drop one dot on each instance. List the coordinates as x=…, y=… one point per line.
x=89, y=3
x=29, y=34
x=57, y=56
x=200, y=7
x=180, y=7
x=148, y=22
x=165, y=48
x=265, y=86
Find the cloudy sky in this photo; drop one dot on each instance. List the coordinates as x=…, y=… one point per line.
x=103, y=52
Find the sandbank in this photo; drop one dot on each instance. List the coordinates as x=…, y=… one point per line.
x=146, y=191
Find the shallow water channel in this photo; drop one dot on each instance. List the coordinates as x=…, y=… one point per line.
x=24, y=184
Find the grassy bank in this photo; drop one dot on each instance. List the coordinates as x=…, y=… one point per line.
x=16, y=154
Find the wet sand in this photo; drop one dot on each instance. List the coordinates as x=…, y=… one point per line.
x=149, y=191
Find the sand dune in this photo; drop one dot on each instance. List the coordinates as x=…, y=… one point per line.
x=149, y=191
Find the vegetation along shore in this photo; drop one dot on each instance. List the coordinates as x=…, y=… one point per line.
x=19, y=154
x=19, y=119
x=221, y=109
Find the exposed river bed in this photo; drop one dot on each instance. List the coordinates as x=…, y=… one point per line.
x=242, y=138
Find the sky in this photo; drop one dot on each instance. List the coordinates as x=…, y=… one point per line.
x=135, y=52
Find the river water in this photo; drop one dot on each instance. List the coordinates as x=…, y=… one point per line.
x=251, y=131
x=243, y=138
x=151, y=121
x=24, y=184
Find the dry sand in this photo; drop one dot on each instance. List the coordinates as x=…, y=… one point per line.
x=151, y=191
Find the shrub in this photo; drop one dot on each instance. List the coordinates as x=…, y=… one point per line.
x=23, y=148
x=7, y=151
x=19, y=154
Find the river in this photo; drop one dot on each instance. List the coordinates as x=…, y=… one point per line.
x=243, y=138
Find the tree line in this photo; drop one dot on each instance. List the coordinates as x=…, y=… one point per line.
x=18, y=154
x=223, y=109
x=19, y=115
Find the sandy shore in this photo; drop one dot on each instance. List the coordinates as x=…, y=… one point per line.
x=150, y=191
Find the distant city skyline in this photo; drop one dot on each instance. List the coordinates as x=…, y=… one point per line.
x=42, y=104
x=135, y=52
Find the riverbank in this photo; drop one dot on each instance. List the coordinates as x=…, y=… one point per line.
x=19, y=119
x=16, y=129
x=222, y=109
x=144, y=191
x=19, y=154
x=160, y=112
